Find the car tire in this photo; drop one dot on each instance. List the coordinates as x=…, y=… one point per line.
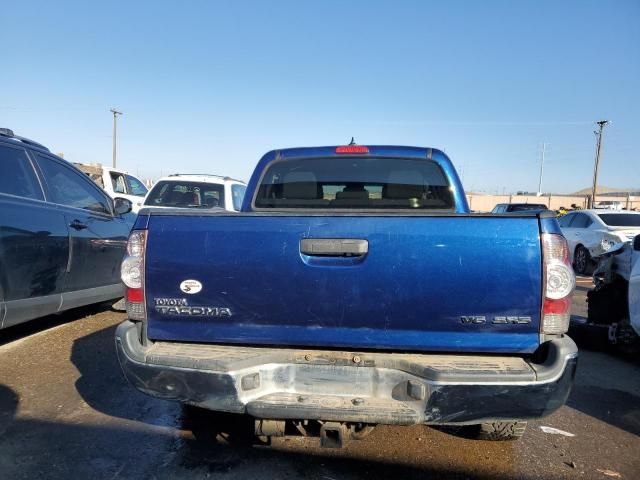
x=582, y=261
x=500, y=431
x=627, y=340
x=607, y=303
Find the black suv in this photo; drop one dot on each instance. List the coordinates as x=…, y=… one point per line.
x=61, y=237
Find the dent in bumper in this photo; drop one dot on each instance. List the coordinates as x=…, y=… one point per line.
x=369, y=394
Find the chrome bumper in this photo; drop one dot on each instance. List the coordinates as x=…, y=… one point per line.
x=377, y=388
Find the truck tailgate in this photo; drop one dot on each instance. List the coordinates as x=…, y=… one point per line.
x=427, y=283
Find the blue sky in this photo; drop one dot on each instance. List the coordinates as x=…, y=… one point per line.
x=211, y=86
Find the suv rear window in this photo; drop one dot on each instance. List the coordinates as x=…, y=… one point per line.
x=186, y=195
x=355, y=183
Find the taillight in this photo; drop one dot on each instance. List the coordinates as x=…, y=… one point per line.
x=132, y=274
x=559, y=282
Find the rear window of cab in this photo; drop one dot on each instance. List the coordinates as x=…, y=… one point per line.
x=354, y=183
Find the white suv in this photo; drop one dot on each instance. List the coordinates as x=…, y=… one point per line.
x=196, y=191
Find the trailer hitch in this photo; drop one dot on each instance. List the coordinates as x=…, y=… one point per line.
x=333, y=435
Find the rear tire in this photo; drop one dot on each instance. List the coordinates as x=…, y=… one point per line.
x=582, y=262
x=608, y=303
x=627, y=340
x=500, y=431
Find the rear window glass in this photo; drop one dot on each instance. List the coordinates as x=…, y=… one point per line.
x=581, y=221
x=565, y=221
x=356, y=183
x=186, y=195
x=117, y=180
x=621, y=219
x=16, y=174
x=135, y=186
x=237, y=194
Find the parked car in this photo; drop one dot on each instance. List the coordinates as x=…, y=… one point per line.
x=117, y=183
x=614, y=302
x=196, y=191
x=62, y=238
x=353, y=289
x=519, y=208
x=608, y=205
x=590, y=233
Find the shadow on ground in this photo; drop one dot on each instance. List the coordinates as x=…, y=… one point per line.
x=102, y=385
x=38, y=325
x=615, y=407
x=31, y=448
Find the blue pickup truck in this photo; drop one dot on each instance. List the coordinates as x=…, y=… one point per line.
x=354, y=288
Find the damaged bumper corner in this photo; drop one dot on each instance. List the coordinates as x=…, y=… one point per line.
x=376, y=388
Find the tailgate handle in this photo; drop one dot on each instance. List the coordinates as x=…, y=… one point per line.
x=334, y=247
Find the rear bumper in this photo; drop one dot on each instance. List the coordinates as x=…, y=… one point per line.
x=381, y=388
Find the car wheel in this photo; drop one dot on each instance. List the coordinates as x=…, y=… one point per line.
x=627, y=340
x=607, y=303
x=582, y=261
x=501, y=430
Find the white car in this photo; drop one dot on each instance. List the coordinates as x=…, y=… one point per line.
x=196, y=191
x=608, y=205
x=117, y=183
x=590, y=233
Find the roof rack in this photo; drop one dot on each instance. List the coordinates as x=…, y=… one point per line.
x=204, y=175
x=8, y=133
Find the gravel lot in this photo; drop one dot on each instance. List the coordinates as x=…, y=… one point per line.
x=66, y=412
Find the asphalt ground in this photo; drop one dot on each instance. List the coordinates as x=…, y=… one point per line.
x=66, y=412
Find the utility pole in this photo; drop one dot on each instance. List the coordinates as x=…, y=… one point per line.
x=115, y=114
x=601, y=124
x=544, y=149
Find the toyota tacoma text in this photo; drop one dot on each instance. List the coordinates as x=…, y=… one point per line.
x=353, y=288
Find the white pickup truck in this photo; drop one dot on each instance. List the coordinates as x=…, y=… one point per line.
x=117, y=183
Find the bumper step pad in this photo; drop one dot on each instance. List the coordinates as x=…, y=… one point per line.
x=334, y=408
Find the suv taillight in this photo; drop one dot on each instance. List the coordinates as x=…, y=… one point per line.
x=132, y=274
x=559, y=282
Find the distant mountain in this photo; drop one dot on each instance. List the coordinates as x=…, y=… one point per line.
x=602, y=190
